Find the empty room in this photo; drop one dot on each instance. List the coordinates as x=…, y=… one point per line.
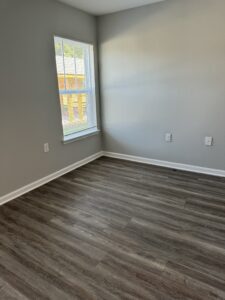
x=112, y=152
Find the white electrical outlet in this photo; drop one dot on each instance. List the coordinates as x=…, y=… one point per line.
x=208, y=141
x=168, y=137
x=46, y=147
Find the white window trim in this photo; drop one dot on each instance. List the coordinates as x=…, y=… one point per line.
x=92, y=82
x=81, y=135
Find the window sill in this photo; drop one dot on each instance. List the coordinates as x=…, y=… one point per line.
x=80, y=135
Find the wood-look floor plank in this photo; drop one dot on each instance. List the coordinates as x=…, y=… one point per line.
x=115, y=229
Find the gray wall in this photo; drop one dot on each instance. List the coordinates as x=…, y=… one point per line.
x=163, y=70
x=30, y=111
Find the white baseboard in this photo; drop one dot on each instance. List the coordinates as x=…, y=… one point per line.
x=161, y=163
x=42, y=181
x=171, y=165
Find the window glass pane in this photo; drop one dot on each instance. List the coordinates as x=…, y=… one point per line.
x=80, y=67
x=69, y=64
x=75, y=72
x=74, y=113
x=59, y=63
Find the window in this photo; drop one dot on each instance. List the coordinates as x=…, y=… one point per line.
x=75, y=72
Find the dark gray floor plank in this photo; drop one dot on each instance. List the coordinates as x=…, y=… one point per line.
x=115, y=229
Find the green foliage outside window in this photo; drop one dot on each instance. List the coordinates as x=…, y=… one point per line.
x=69, y=51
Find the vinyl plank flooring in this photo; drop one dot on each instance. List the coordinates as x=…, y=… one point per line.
x=116, y=229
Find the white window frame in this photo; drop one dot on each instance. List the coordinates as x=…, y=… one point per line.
x=90, y=90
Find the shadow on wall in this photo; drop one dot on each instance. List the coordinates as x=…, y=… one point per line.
x=115, y=31
x=163, y=70
x=153, y=15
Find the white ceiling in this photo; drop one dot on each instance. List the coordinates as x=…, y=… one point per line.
x=101, y=7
